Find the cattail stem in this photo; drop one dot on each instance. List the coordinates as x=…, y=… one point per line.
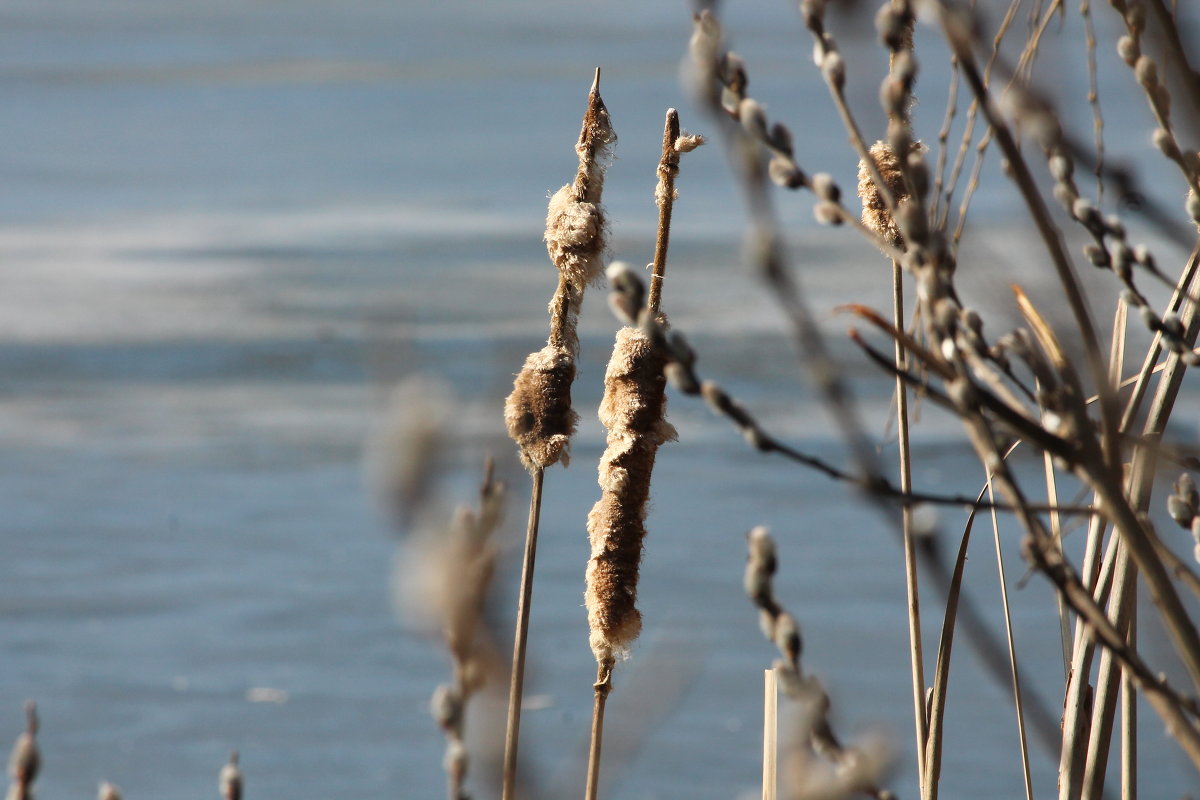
x=602, y=688
x=770, y=733
x=664, y=196
x=520, y=639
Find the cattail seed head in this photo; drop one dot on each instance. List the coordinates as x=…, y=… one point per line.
x=538, y=413
x=875, y=214
x=632, y=411
x=575, y=222
x=575, y=236
x=108, y=792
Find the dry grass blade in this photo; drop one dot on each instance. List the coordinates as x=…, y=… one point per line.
x=1012, y=655
x=941, y=672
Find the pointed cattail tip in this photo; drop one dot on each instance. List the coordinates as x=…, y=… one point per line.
x=596, y=82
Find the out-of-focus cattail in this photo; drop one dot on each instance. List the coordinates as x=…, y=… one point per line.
x=230, y=779
x=446, y=578
x=25, y=760
x=538, y=413
x=875, y=214
x=402, y=453
x=108, y=792
x=632, y=411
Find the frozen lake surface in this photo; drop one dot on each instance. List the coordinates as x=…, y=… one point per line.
x=228, y=229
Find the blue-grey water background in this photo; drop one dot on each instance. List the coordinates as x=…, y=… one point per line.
x=227, y=229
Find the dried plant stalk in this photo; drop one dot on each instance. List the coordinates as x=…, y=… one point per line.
x=632, y=411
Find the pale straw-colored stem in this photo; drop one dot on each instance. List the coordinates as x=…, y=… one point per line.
x=770, y=734
x=520, y=638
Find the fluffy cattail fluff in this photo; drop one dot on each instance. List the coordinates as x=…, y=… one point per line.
x=538, y=413
x=632, y=411
x=108, y=792
x=575, y=223
x=875, y=214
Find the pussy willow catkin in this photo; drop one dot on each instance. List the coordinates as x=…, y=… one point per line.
x=632, y=411
x=538, y=413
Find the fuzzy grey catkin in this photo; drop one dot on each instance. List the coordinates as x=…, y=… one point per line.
x=632, y=411
x=538, y=413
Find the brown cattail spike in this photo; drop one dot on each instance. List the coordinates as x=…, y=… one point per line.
x=538, y=413
x=875, y=214
x=632, y=411
x=575, y=222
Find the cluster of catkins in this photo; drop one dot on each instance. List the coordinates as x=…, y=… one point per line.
x=25, y=762
x=1184, y=507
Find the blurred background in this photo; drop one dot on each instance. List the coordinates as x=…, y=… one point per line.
x=228, y=229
